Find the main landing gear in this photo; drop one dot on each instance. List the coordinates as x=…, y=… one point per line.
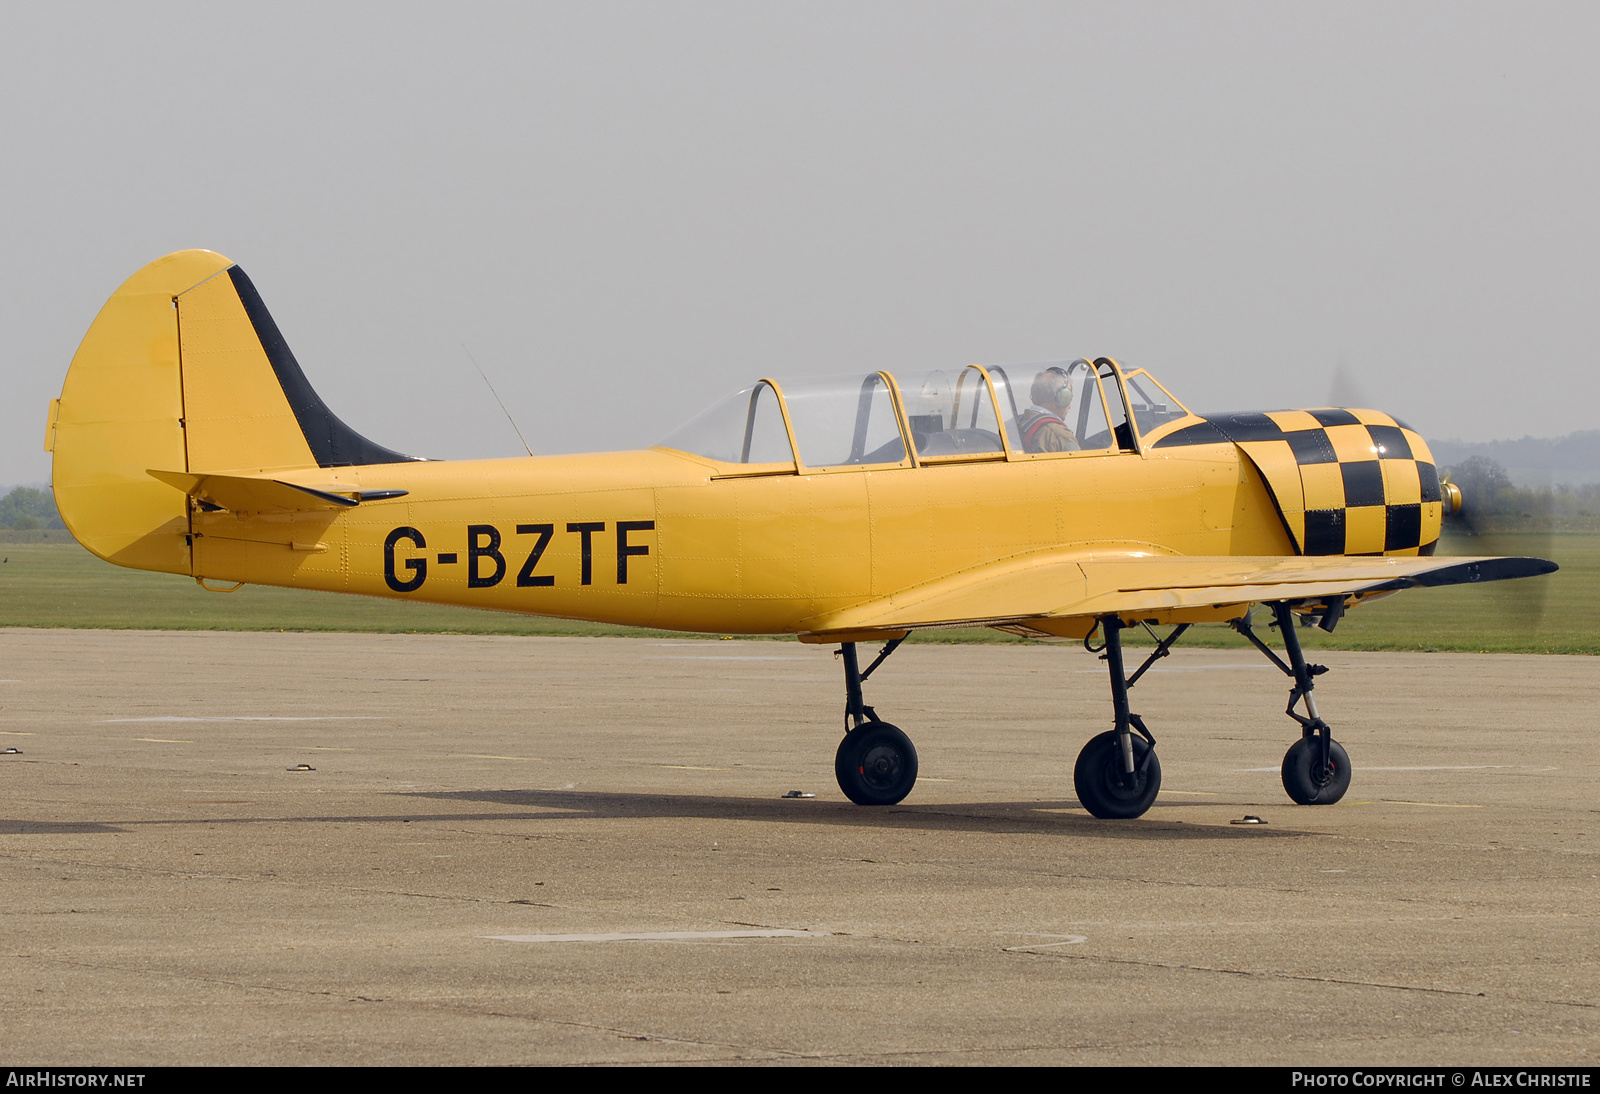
x=876, y=764
x=1117, y=775
x=1316, y=769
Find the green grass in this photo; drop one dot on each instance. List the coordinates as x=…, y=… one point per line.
x=1558, y=613
x=49, y=581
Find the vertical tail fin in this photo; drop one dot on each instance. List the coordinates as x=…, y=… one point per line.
x=182, y=370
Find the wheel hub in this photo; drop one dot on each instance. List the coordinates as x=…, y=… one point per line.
x=881, y=766
x=1105, y=789
x=1118, y=781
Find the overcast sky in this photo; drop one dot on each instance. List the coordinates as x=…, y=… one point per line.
x=626, y=210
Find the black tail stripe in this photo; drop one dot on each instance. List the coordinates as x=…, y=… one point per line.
x=332, y=443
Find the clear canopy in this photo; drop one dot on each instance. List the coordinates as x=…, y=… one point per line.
x=842, y=420
x=1055, y=406
x=845, y=421
x=950, y=413
x=746, y=427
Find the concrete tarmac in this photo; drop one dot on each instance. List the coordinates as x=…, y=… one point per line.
x=538, y=850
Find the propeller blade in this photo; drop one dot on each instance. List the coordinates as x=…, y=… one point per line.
x=1344, y=389
x=1500, y=518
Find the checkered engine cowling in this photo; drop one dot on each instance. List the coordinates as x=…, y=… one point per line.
x=1347, y=482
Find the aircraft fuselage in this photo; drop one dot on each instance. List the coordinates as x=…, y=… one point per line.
x=657, y=538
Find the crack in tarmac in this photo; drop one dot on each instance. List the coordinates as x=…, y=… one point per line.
x=145, y=870
x=175, y=975
x=1175, y=883
x=421, y=1005
x=1102, y=959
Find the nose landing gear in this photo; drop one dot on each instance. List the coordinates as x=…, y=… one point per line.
x=1316, y=769
x=1311, y=780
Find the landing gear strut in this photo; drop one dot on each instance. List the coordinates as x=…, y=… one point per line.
x=876, y=763
x=1117, y=775
x=1316, y=769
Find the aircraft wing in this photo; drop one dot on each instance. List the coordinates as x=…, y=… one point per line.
x=266, y=494
x=1060, y=585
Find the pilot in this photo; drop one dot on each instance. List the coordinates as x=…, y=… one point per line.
x=1042, y=424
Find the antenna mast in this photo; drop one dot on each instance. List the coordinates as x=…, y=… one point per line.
x=497, y=398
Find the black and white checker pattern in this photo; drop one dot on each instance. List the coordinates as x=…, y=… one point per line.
x=1347, y=482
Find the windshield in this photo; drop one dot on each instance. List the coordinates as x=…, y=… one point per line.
x=1152, y=405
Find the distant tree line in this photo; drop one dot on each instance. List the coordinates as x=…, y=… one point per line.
x=26, y=508
x=1578, y=451
x=1493, y=503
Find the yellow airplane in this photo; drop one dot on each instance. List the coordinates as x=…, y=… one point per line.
x=1068, y=500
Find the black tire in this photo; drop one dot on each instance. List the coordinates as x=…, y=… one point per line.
x=1309, y=786
x=1099, y=779
x=876, y=764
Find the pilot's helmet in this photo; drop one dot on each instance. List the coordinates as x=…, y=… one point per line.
x=1052, y=388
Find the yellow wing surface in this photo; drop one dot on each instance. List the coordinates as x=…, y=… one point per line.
x=1047, y=589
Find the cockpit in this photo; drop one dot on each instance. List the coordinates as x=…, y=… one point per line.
x=978, y=412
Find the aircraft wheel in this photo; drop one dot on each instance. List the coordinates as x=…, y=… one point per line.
x=1309, y=786
x=1101, y=783
x=876, y=764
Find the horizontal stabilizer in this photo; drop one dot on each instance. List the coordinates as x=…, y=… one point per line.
x=264, y=494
